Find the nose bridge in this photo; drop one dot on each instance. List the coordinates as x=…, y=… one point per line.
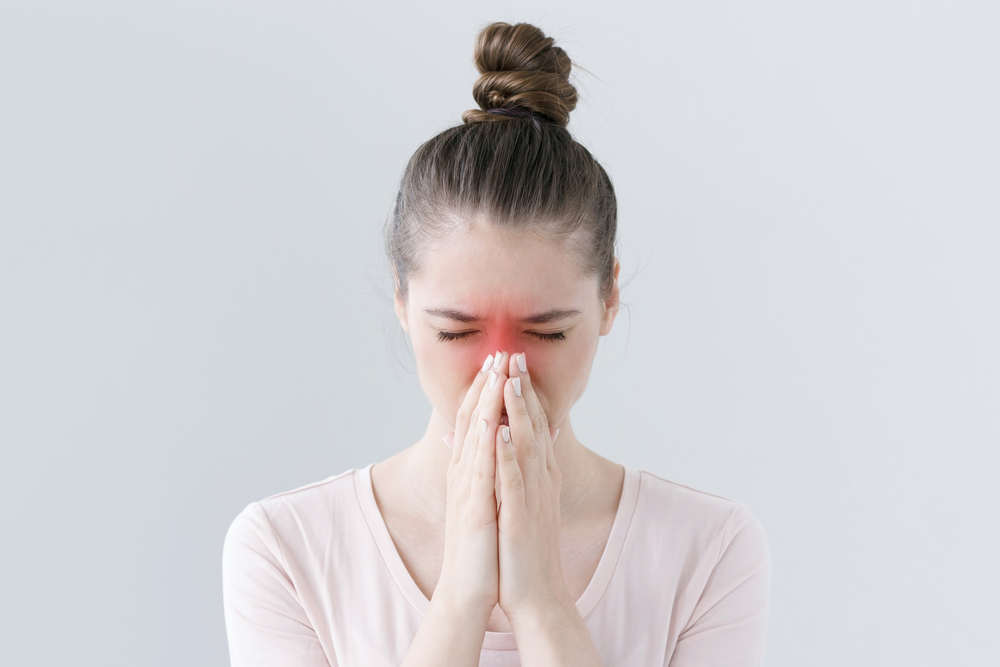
x=501, y=334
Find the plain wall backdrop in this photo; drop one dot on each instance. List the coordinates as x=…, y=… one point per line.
x=195, y=314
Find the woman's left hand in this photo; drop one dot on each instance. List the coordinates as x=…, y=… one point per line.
x=547, y=626
x=531, y=582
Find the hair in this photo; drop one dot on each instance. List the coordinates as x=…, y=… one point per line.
x=512, y=162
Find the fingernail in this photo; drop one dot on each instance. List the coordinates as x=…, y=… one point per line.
x=506, y=434
x=493, y=379
x=557, y=435
x=482, y=424
x=445, y=438
x=517, y=386
x=487, y=363
x=497, y=360
x=522, y=365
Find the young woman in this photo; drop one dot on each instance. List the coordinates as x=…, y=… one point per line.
x=498, y=538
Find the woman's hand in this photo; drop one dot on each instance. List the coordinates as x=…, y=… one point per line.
x=547, y=625
x=452, y=630
x=531, y=580
x=470, y=571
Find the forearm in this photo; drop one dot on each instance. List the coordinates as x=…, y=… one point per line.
x=449, y=634
x=553, y=637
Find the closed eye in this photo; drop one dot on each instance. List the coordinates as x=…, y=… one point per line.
x=454, y=335
x=559, y=335
x=459, y=335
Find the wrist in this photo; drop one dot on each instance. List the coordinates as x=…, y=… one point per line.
x=454, y=605
x=543, y=615
x=554, y=634
x=450, y=633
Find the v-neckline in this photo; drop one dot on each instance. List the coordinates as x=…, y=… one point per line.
x=498, y=640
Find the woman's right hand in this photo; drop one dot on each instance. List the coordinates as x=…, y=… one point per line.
x=452, y=630
x=470, y=570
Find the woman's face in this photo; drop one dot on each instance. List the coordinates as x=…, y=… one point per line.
x=486, y=289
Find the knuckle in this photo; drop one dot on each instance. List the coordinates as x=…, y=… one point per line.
x=517, y=483
x=531, y=449
x=540, y=423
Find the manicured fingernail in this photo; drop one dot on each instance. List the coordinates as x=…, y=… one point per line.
x=487, y=363
x=506, y=434
x=497, y=360
x=517, y=386
x=557, y=435
x=445, y=438
x=522, y=365
x=493, y=379
x=482, y=424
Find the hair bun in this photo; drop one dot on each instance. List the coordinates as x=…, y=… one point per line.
x=521, y=68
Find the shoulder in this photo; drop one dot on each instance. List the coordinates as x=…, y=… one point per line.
x=324, y=497
x=712, y=554
x=303, y=514
x=701, y=524
x=273, y=571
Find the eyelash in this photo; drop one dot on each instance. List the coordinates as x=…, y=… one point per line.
x=450, y=335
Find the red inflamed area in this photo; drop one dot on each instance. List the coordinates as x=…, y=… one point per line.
x=505, y=333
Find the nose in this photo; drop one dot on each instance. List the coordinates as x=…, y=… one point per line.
x=499, y=337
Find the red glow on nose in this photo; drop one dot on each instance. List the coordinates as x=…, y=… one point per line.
x=498, y=331
x=496, y=335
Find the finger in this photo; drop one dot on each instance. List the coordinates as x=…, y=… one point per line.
x=509, y=472
x=522, y=439
x=539, y=420
x=464, y=416
x=484, y=466
x=469, y=447
x=489, y=407
x=487, y=421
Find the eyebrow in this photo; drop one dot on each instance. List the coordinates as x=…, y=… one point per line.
x=540, y=318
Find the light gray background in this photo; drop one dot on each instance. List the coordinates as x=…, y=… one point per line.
x=195, y=316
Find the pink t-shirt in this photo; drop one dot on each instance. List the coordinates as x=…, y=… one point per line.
x=312, y=577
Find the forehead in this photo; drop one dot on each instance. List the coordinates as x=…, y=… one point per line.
x=485, y=267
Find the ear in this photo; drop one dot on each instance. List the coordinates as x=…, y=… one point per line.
x=398, y=302
x=612, y=303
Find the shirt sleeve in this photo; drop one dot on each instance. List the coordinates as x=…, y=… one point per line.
x=265, y=621
x=728, y=626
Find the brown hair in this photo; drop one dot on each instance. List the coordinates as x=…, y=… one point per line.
x=512, y=162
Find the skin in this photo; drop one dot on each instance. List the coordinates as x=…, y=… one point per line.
x=501, y=533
